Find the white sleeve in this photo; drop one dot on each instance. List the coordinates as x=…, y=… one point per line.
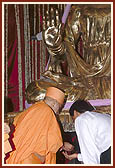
x=89, y=151
x=80, y=157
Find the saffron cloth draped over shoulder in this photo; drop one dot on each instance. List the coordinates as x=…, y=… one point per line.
x=37, y=131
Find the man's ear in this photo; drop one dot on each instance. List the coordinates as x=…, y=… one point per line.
x=75, y=112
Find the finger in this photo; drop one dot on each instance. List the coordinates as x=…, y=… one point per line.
x=66, y=155
x=61, y=148
x=57, y=18
x=44, y=23
x=47, y=19
x=52, y=17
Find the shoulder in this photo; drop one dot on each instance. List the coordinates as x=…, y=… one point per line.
x=42, y=106
x=39, y=109
x=86, y=117
x=93, y=117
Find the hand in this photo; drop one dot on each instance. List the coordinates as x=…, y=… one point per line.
x=52, y=29
x=71, y=156
x=6, y=128
x=67, y=147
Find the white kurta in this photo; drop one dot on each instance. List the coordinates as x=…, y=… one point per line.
x=94, y=135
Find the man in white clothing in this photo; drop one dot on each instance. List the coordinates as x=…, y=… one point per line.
x=94, y=134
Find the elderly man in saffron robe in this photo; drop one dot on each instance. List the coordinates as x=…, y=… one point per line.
x=37, y=135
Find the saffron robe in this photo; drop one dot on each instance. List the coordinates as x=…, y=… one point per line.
x=36, y=131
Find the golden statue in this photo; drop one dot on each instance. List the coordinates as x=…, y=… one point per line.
x=84, y=45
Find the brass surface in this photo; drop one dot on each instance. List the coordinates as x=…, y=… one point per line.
x=89, y=77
